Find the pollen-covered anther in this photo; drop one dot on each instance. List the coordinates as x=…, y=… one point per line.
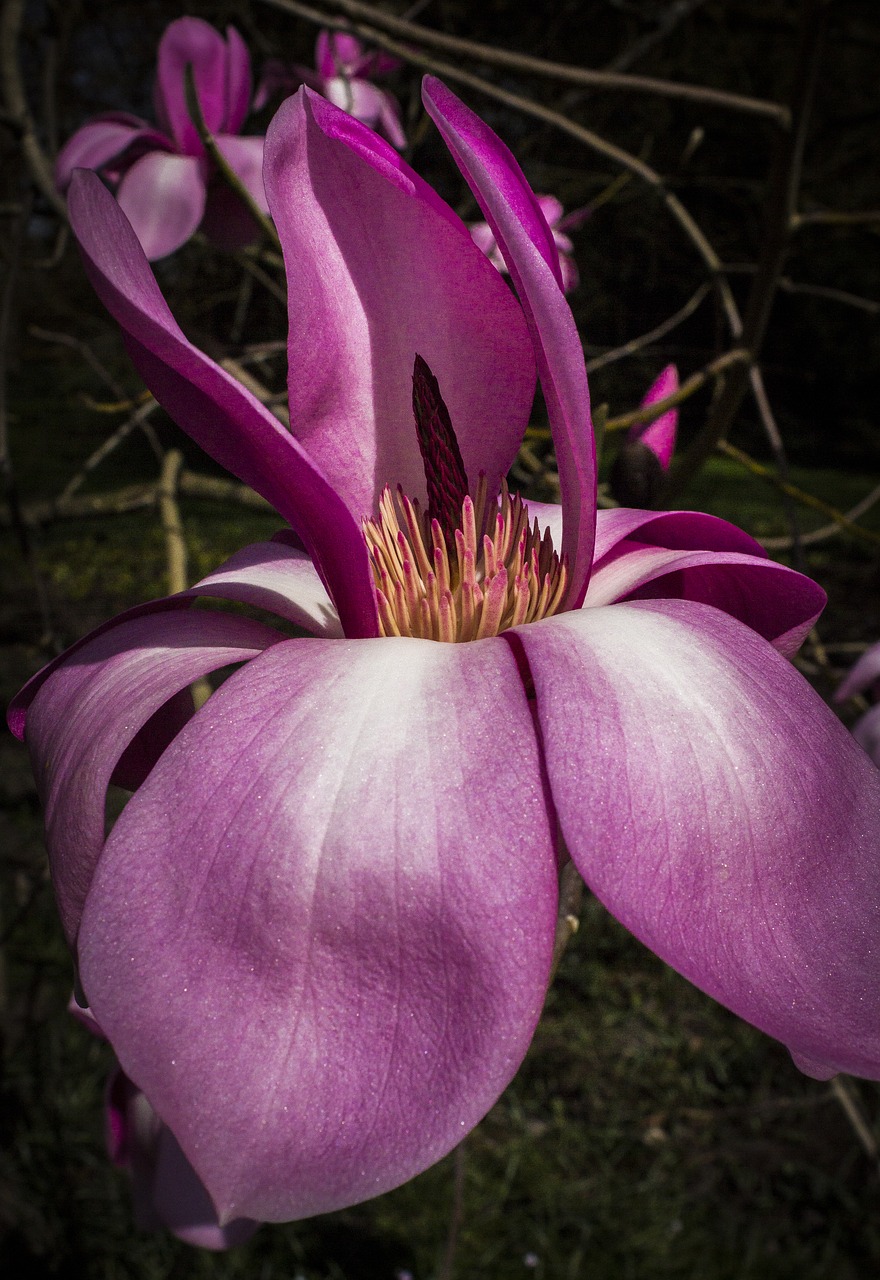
x=499, y=572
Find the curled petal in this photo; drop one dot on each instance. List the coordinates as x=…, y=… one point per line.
x=163, y=197
x=327, y=910
x=89, y=710
x=279, y=579
x=675, y=530
x=217, y=411
x=718, y=808
x=379, y=270
x=775, y=601
x=527, y=245
x=102, y=140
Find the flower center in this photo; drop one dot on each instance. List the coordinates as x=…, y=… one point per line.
x=466, y=568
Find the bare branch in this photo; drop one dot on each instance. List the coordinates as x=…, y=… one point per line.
x=360, y=13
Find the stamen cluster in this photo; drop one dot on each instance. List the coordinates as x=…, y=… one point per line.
x=496, y=572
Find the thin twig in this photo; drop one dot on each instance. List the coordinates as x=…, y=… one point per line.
x=650, y=412
x=585, y=77
x=209, y=142
x=834, y=218
x=17, y=518
x=587, y=137
x=169, y=513
x=447, y=1266
x=111, y=444
x=799, y=495
x=844, y=1094
x=17, y=106
x=829, y=530
x=635, y=345
x=783, y=189
x=571, y=894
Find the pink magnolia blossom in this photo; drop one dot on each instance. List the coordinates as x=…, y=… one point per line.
x=163, y=178
x=319, y=935
x=484, y=237
x=644, y=457
x=343, y=74
x=865, y=678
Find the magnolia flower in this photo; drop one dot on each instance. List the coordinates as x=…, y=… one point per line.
x=343, y=72
x=865, y=678
x=163, y=178
x=643, y=459
x=484, y=237
x=320, y=933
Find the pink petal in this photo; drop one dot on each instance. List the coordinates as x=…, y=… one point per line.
x=228, y=222
x=660, y=435
x=336, y=51
x=279, y=579
x=866, y=732
x=221, y=416
x=775, y=601
x=862, y=675
x=89, y=710
x=379, y=269
x=525, y=240
x=245, y=157
x=185, y=42
x=238, y=82
x=320, y=933
x=676, y=530
x=166, y=1189
x=163, y=197
x=718, y=808
x=266, y=575
x=100, y=141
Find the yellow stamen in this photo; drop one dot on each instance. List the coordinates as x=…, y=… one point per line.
x=495, y=573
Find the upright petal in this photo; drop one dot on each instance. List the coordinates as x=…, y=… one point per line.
x=216, y=410
x=239, y=83
x=528, y=247
x=163, y=197
x=90, y=709
x=336, y=51
x=191, y=42
x=379, y=269
x=718, y=808
x=328, y=912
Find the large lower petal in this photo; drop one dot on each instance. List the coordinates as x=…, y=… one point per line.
x=526, y=242
x=329, y=912
x=379, y=270
x=718, y=808
x=89, y=711
x=163, y=197
x=217, y=411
